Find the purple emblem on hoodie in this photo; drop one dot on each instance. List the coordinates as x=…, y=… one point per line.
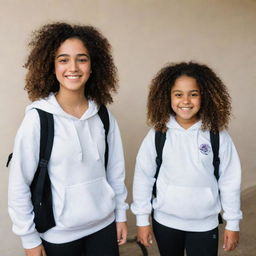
x=205, y=149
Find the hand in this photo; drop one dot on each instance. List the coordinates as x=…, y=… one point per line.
x=144, y=235
x=231, y=239
x=121, y=228
x=37, y=251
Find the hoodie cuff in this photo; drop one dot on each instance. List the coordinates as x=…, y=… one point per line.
x=232, y=225
x=120, y=216
x=31, y=241
x=142, y=220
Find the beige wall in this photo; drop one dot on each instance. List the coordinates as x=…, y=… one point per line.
x=145, y=35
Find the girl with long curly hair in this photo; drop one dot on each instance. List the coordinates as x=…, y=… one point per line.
x=188, y=104
x=71, y=75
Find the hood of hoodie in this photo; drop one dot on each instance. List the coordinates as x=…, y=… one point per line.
x=173, y=124
x=182, y=139
x=51, y=105
x=79, y=128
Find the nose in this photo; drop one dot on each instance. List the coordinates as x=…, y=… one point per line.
x=186, y=99
x=73, y=66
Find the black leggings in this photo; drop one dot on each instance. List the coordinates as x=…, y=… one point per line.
x=101, y=243
x=173, y=242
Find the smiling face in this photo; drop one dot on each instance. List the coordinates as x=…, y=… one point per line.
x=72, y=65
x=186, y=100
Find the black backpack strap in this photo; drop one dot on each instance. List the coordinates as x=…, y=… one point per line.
x=46, y=143
x=41, y=194
x=160, y=138
x=215, y=142
x=46, y=137
x=104, y=117
x=9, y=160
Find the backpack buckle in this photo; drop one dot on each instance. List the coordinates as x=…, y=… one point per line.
x=43, y=163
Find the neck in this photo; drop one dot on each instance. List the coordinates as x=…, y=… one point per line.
x=74, y=103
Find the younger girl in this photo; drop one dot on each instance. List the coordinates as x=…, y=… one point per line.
x=186, y=101
x=70, y=75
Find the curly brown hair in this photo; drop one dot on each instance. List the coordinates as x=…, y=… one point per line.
x=40, y=78
x=215, y=107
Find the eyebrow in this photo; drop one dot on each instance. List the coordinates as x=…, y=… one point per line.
x=189, y=91
x=67, y=55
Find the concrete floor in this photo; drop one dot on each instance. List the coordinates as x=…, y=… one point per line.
x=247, y=245
x=10, y=244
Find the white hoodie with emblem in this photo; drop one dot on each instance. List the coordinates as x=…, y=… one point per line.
x=86, y=198
x=187, y=191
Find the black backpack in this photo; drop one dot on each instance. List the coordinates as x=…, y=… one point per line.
x=41, y=194
x=160, y=138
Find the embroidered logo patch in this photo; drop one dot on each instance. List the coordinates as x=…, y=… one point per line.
x=205, y=149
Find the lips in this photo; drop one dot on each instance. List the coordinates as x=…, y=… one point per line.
x=185, y=108
x=73, y=77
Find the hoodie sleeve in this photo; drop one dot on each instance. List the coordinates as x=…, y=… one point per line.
x=116, y=170
x=143, y=182
x=22, y=170
x=229, y=182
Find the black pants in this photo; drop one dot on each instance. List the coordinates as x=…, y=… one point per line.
x=173, y=242
x=101, y=243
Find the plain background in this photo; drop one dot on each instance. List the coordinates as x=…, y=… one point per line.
x=145, y=35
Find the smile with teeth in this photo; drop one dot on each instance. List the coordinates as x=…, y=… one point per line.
x=185, y=108
x=72, y=77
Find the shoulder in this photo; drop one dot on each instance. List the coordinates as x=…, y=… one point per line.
x=31, y=117
x=225, y=137
x=149, y=139
x=151, y=134
x=30, y=123
x=226, y=142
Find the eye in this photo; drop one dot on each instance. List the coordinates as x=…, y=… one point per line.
x=65, y=60
x=82, y=60
x=195, y=94
x=178, y=95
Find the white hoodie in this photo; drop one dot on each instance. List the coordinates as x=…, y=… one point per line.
x=187, y=190
x=84, y=199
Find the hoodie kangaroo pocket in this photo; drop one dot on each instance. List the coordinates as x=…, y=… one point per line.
x=188, y=202
x=87, y=203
